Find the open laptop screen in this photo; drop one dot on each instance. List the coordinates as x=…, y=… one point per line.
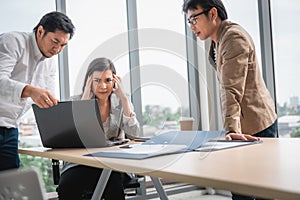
x=71, y=124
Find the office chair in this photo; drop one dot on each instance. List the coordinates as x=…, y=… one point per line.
x=134, y=185
x=21, y=184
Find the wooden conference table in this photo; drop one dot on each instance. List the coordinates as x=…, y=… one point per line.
x=270, y=169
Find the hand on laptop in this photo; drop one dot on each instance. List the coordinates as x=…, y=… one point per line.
x=43, y=98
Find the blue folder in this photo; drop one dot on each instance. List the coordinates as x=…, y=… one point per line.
x=172, y=142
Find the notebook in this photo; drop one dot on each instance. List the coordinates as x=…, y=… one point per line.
x=72, y=124
x=21, y=184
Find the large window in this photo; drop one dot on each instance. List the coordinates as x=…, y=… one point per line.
x=163, y=65
x=101, y=28
x=23, y=15
x=248, y=18
x=286, y=51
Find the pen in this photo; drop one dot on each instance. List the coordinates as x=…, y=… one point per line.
x=126, y=146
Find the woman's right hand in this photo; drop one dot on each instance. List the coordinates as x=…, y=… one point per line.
x=87, y=93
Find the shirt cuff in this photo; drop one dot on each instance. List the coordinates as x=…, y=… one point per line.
x=130, y=120
x=18, y=92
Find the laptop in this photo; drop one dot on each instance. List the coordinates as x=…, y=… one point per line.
x=21, y=184
x=72, y=124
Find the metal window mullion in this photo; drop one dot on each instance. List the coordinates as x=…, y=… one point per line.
x=267, y=52
x=134, y=61
x=267, y=55
x=63, y=64
x=193, y=78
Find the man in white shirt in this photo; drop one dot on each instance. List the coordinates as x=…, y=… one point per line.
x=27, y=70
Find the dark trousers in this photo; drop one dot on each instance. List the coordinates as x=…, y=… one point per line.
x=79, y=183
x=271, y=131
x=9, y=157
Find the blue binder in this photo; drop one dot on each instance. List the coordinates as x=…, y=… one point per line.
x=171, y=142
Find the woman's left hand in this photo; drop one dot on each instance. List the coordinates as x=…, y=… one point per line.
x=118, y=87
x=118, y=90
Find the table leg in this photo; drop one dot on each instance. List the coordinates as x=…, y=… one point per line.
x=159, y=188
x=101, y=184
x=55, y=170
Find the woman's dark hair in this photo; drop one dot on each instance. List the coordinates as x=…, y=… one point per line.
x=101, y=65
x=206, y=5
x=56, y=21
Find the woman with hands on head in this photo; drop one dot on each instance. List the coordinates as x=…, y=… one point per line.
x=118, y=118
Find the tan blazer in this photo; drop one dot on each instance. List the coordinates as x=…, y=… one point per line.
x=246, y=104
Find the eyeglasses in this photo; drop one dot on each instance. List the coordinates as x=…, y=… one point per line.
x=193, y=19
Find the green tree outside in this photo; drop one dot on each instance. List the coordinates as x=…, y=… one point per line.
x=43, y=165
x=295, y=133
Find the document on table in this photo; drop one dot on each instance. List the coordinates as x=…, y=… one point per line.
x=171, y=142
x=151, y=148
x=141, y=151
x=215, y=145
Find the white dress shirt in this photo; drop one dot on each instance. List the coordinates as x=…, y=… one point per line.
x=21, y=64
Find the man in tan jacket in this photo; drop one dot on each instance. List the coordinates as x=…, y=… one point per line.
x=247, y=106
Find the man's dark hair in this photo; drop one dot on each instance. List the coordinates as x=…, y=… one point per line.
x=56, y=21
x=206, y=5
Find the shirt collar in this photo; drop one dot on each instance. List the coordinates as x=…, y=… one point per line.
x=36, y=51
